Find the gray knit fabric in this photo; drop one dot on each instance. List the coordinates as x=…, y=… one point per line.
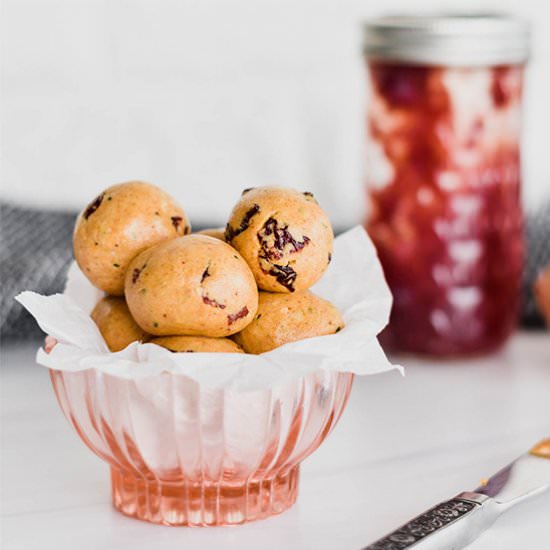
x=35, y=253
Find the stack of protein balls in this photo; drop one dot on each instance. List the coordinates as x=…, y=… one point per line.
x=242, y=289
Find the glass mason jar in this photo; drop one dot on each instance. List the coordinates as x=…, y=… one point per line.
x=443, y=177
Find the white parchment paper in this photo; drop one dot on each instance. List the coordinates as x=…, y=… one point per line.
x=354, y=282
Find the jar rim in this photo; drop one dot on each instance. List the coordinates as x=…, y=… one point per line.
x=448, y=40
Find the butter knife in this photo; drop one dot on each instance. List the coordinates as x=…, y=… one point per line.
x=455, y=523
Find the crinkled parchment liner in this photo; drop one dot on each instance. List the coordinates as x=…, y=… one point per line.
x=354, y=282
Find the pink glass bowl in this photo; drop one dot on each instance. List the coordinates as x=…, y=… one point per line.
x=182, y=455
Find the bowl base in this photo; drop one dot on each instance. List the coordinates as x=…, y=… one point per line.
x=201, y=504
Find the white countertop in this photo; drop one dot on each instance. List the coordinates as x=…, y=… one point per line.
x=402, y=445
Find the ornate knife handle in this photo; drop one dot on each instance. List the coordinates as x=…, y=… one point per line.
x=429, y=522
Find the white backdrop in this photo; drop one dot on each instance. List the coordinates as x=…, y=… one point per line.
x=206, y=97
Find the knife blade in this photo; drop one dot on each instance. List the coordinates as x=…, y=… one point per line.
x=455, y=523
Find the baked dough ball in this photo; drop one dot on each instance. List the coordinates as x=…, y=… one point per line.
x=118, y=328
x=194, y=285
x=184, y=344
x=542, y=293
x=284, y=235
x=217, y=233
x=284, y=318
x=117, y=225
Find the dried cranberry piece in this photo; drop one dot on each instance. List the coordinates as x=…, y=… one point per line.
x=285, y=275
x=93, y=206
x=176, y=222
x=211, y=302
x=236, y=316
x=137, y=272
x=282, y=237
x=231, y=233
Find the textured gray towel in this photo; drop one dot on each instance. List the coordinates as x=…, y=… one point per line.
x=35, y=253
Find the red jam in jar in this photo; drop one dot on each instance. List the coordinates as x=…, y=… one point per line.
x=443, y=182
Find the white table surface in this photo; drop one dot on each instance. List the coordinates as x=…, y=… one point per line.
x=402, y=445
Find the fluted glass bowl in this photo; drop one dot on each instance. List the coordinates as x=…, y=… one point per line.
x=184, y=455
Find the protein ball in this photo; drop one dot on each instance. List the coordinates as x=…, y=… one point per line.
x=217, y=233
x=284, y=318
x=117, y=225
x=542, y=293
x=194, y=285
x=118, y=328
x=284, y=235
x=188, y=344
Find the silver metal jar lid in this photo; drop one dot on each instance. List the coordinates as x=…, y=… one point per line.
x=448, y=40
